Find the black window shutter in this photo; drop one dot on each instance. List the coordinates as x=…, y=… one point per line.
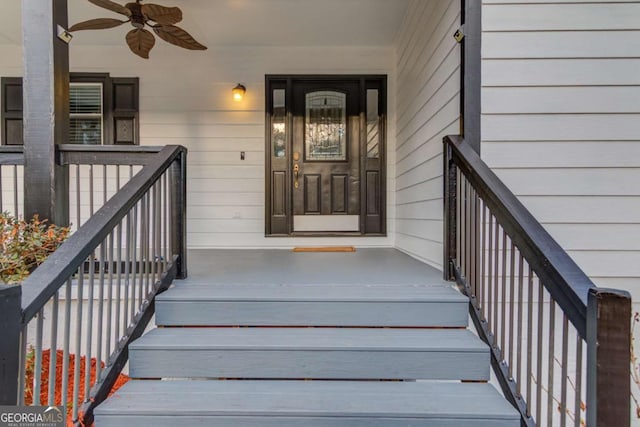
x=124, y=98
x=11, y=114
x=120, y=109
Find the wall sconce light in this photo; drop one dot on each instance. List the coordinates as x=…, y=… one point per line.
x=238, y=92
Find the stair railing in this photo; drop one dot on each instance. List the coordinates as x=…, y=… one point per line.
x=560, y=345
x=95, y=173
x=92, y=297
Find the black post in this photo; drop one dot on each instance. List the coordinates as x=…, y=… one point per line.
x=46, y=109
x=608, y=351
x=179, y=213
x=10, y=325
x=471, y=67
x=450, y=210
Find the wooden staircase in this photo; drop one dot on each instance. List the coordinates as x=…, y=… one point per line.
x=313, y=355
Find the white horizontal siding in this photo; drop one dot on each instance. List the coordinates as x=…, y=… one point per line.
x=560, y=16
x=573, y=209
x=606, y=237
x=561, y=123
x=560, y=44
x=428, y=108
x=532, y=127
x=562, y=100
x=561, y=72
x=562, y=154
x=592, y=182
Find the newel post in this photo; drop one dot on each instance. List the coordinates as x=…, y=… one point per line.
x=450, y=176
x=178, y=175
x=608, y=363
x=10, y=325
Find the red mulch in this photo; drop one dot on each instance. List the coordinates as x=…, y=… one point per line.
x=44, y=383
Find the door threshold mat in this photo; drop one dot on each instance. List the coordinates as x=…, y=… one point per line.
x=324, y=249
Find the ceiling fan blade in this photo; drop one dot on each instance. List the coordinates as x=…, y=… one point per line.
x=115, y=7
x=96, y=24
x=140, y=42
x=161, y=14
x=177, y=36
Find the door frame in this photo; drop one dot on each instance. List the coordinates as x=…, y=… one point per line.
x=280, y=224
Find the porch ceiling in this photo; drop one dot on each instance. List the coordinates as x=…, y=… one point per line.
x=248, y=22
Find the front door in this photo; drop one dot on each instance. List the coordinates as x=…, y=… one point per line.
x=325, y=155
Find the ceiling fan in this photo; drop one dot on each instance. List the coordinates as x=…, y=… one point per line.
x=160, y=19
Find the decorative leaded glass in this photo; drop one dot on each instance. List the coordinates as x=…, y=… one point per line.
x=326, y=126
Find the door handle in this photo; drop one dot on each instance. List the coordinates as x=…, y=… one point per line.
x=296, y=173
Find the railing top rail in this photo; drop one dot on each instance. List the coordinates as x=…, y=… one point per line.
x=86, y=154
x=11, y=149
x=105, y=154
x=565, y=281
x=11, y=155
x=40, y=286
x=97, y=148
x=109, y=148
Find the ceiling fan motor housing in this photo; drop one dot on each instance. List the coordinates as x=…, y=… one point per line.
x=137, y=17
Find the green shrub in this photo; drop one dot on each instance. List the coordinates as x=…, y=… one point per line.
x=25, y=245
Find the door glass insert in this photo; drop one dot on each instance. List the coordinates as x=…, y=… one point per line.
x=278, y=126
x=325, y=126
x=373, y=124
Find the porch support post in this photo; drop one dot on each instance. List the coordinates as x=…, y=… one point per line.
x=471, y=72
x=608, y=368
x=46, y=109
x=10, y=325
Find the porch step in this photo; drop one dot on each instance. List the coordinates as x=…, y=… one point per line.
x=305, y=403
x=312, y=305
x=312, y=353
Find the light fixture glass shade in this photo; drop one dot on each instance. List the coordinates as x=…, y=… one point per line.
x=238, y=92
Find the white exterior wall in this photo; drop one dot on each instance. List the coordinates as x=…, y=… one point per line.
x=561, y=124
x=428, y=108
x=185, y=98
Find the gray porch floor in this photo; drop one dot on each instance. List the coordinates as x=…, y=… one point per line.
x=284, y=267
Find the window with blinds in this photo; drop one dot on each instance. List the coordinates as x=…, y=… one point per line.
x=85, y=113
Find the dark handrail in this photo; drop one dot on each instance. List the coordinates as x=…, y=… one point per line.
x=565, y=281
x=478, y=209
x=43, y=283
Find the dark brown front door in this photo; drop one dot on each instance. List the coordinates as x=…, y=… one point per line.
x=325, y=155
